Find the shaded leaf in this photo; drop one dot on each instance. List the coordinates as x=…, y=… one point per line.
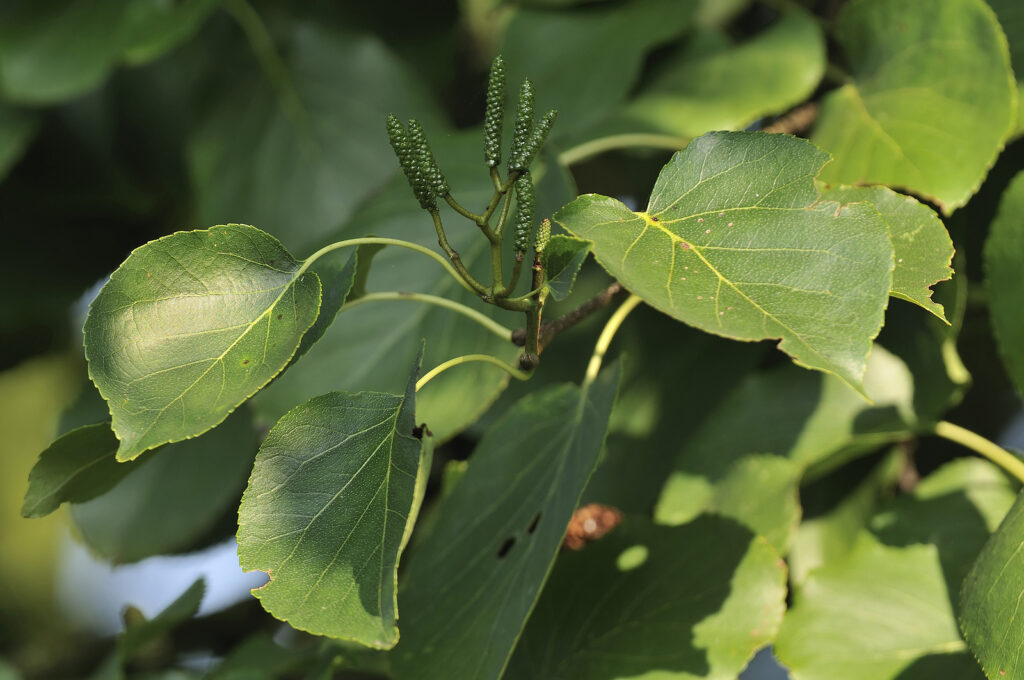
x=991, y=597
x=1004, y=262
x=562, y=259
x=17, y=128
x=891, y=602
x=175, y=499
x=921, y=244
x=139, y=633
x=317, y=151
x=156, y=26
x=728, y=88
x=337, y=276
x=584, y=62
x=472, y=584
x=332, y=499
x=735, y=242
x=931, y=101
x=192, y=325
x=694, y=601
x=77, y=467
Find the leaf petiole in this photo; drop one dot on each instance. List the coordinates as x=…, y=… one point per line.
x=984, y=447
x=605, y=339
x=468, y=358
x=482, y=319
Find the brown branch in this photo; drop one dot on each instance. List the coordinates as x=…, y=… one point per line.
x=796, y=121
x=552, y=328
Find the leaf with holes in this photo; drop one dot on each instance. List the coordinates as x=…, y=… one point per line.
x=472, y=583
x=991, y=598
x=192, y=325
x=931, y=101
x=921, y=244
x=674, y=603
x=330, y=505
x=735, y=242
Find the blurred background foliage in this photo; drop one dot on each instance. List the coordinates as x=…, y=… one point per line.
x=125, y=120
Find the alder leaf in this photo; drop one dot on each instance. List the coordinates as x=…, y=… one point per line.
x=931, y=101
x=735, y=242
x=921, y=244
x=472, y=583
x=673, y=603
x=991, y=598
x=1004, y=262
x=891, y=602
x=332, y=499
x=192, y=325
x=77, y=467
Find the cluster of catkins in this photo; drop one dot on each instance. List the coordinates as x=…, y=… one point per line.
x=428, y=182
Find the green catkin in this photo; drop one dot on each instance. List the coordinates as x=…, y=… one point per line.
x=523, y=125
x=424, y=169
x=537, y=139
x=436, y=180
x=494, y=118
x=399, y=139
x=525, y=206
x=543, y=236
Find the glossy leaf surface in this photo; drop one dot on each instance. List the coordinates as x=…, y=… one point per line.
x=328, y=509
x=192, y=325
x=735, y=242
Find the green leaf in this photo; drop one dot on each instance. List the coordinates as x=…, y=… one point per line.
x=729, y=88
x=675, y=603
x=140, y=633
x=337, y=276
x=320, y=148
x=991, y=597
x=920, y=242
x=77, y=467
x=584, y=62
x=358, y=353
x=930, y=103
x=955, y=508
x=61, y=49
x=802, y=419
x=17, y=128
x=758, y=490
x=1011, y=18
x=1004, y=261
x=176, y=499
x=156, y=26
x=562, y=259
x=470, y=587
x=192, y=325
x=736, y=242
x=891, y=602
x=332, y=499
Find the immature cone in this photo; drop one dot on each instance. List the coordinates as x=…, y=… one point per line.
x=536, y=140
x=494, y=118
x=525, y=205
x=523, y=125
x=543, y=236
x=436, y=184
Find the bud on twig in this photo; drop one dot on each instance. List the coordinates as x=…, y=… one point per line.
x=494, y=118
